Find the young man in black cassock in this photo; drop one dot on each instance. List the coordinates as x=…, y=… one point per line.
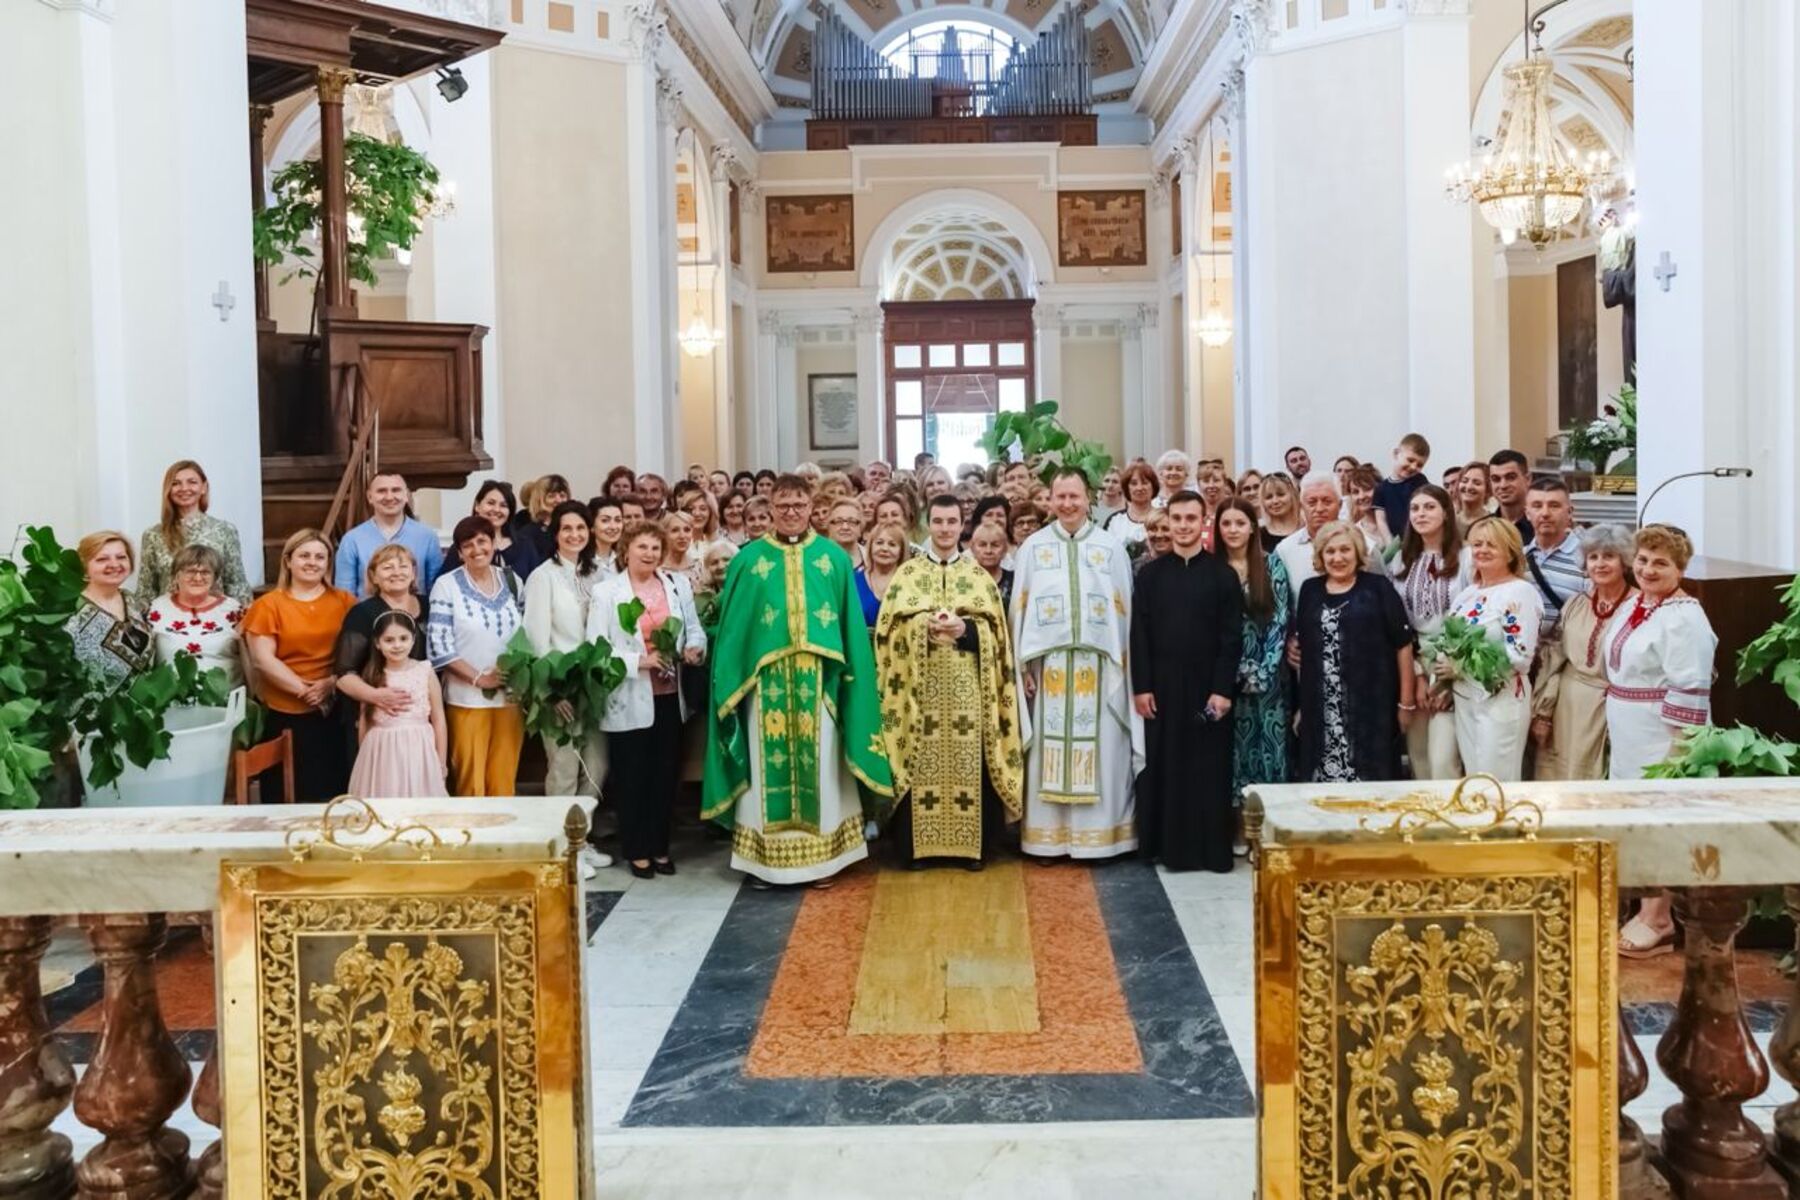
x=1186, y=633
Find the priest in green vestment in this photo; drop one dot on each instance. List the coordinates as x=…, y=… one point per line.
x=793, y=739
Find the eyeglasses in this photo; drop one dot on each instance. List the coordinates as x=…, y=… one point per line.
x=197, y=572
x=791, y=506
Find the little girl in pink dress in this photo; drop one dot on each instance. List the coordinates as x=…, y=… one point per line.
x=403, y=751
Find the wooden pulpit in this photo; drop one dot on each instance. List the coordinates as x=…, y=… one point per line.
x=1741, y=601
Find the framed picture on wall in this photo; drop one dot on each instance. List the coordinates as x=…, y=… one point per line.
x=831, y=411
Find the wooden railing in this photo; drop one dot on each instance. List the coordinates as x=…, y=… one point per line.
x=363, y=462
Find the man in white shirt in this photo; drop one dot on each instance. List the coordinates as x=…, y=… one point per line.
x=1320, y=503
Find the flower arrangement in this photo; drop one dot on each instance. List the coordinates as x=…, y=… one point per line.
x=1615, y=429
x=560, y=694
x=1476, y=656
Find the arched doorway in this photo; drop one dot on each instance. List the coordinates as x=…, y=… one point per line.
x=957, y=286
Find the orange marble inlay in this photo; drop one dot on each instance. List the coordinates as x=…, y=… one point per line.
x=1084, y=1025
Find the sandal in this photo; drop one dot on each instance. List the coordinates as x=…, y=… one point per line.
x=1638, y=940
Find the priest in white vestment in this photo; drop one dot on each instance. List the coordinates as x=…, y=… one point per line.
x=1071, y=625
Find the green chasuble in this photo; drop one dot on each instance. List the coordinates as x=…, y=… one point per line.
x=792, y=631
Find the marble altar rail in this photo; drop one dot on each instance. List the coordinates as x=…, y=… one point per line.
x=1713, y=845
x=121, y=876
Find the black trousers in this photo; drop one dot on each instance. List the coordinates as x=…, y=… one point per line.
x=645, y=776
x=322, y=757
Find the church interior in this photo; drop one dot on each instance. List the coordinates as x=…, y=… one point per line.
x=758, y=233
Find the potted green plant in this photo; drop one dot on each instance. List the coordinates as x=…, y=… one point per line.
x=1045, y=443
x=1613, y=432
x=57, y=724
x=389, y=187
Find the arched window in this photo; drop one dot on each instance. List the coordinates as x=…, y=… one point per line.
x=954, y=50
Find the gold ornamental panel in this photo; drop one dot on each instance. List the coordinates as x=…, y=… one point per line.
x=1437, y=1020
x=400, y=1030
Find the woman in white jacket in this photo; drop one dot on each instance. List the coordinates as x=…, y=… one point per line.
x=557, y=599
x=644, y=714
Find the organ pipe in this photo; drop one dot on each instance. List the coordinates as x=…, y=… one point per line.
x=851, y=80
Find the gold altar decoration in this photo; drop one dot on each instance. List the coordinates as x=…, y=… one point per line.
x=351, y=826
x=400, y=1030
x=1476, y=806
x=1437, y=1018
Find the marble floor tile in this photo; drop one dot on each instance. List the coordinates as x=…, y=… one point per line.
x=1145, y=1160
x=1226, y=967
x=1206, y=885
x=625, y=1036
x=1216, y=921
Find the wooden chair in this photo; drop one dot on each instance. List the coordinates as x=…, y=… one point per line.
x=248, y=764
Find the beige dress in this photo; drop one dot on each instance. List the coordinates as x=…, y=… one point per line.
x=1571, y=693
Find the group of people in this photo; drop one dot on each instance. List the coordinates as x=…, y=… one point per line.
x=945, y=657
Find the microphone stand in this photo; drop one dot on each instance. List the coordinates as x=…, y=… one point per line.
x=1712, y=472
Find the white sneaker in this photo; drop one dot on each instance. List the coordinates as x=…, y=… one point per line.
x=586, y=868
x=592, y=860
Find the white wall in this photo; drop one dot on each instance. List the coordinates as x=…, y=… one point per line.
x=115, y=361
x=1327, y=251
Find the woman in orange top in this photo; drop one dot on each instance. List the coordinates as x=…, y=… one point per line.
x=292, y=632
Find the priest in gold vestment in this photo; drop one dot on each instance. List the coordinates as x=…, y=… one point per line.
x=949, y=702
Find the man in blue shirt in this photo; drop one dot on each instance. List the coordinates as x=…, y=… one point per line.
x=388, y=497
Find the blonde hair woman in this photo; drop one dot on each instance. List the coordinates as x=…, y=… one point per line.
x=186, y=494
x=292, y=632
x=111, y=632
x=884, y=550
x=1356, y=664
x=1279, y=504
x=1491, y=727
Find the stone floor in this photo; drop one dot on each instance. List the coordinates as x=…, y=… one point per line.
x=695, y=997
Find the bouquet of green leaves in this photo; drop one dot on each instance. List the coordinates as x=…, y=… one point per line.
x=665, y=639
x=130, y=723
x=707, y=608
x=1477, y=657
x=582, y=678
x=1709, y=752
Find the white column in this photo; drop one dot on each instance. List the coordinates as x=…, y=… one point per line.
x=652, y=104
x=1154, y=432
x=871, y=391
x=463, y=279
x=1716, y=189
x=1440, y=267
x=1049, y=321
x=787, y=398
x=724, y=410
x=1190, y=394
x=1131, y=383
x=1249, y=451
x=767, y=443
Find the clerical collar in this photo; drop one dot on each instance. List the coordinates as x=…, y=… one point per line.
x=1073, y=537
x=795, y=539
x=931, y=552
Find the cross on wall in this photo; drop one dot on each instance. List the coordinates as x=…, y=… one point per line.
x=1665, y=271
x=224, y=301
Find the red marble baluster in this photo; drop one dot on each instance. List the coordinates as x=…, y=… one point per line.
x=1710, y=1150
x=206, y=1106
x=35, y=1077
x=1784, y=1049
x=138, y=1077
x=1637, y=1181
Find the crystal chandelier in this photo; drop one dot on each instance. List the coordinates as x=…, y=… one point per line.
x=1215, y=327
x=700, y=339
x=1531, y=186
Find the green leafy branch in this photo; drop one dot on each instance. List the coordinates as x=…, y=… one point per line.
x=1709, y=752
x=1477, y=656
x=1045, y=443
x=389, y=189
x=665, y=639
x=130, y=723
x=581, y=678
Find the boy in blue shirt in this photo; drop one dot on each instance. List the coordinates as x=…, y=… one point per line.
x=1394, y=494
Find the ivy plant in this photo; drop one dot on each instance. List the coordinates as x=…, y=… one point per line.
x=1045, y=443
x=130, y=723
x=389, y=188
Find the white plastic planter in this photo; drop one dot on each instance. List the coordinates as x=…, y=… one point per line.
x=194, y=772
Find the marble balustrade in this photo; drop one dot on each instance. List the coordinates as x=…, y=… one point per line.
x=1713, y=845
x=124, y=876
